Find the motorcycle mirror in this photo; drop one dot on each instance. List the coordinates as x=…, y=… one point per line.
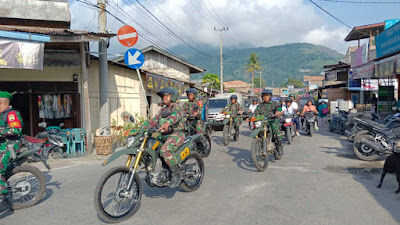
x=165, y=114
x=42, y=125
x=61, y=125
x=132, y=119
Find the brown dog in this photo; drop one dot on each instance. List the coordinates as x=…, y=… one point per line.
x=392, y=165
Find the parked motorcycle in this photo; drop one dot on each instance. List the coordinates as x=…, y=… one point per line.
x=289, y=127
x=364, y=126
x=52, y=146
x=338, y=122
x=202, y=144
x=118, y=193
x=26, y=184
x=310, y=122
x=228, y=129
x=263, y=144
x=370, y=145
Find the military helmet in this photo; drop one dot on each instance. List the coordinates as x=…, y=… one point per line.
x=234, y=97
x=266, y=92
x=192, y=90
x=169, y=91
x=254, y=99
x=289, y=100
x=292, y=95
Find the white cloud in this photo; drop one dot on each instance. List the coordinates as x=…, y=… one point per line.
x=257, y=22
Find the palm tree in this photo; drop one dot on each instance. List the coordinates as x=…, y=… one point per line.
x=253, y=65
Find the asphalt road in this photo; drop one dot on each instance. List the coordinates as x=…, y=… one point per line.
x=318, y=181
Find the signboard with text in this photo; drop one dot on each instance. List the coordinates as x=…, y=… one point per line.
x=388, y=41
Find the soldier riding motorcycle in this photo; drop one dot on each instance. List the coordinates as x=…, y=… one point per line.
x=194, y=124
x=263, y=138
x=231, y=122
x=168, y=158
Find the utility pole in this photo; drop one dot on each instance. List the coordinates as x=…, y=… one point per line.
x=103, y=71
x=220, y=49
x=260, y=83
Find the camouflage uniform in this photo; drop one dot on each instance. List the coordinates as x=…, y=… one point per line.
x=189, y=110
x=174, y=140
x=268, y=109
x=10, y=133
x=234, y=109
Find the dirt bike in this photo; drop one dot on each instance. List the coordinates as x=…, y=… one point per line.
x=228, y=129
x=26, y=184
x=118, y=193
x=263, y=144
x=203, y=143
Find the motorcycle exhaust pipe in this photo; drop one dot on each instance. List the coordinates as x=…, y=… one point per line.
x=372, y=145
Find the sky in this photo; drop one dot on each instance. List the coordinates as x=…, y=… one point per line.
x=252, y=23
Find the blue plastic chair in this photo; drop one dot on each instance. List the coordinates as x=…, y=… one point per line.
x=53, y=128
x=66, y=139
x=78, y=137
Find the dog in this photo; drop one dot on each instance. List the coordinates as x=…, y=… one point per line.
x=392, y=165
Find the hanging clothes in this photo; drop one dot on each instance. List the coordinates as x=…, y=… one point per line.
x=60, y=106
x=48, y=107
x=65, y=101
x=40, y=106
x=68, y=106
x=55, y=107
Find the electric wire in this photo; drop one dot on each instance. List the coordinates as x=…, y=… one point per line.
x=209, y=11
x=216, y=13
x=334, y=17
x=201, y=14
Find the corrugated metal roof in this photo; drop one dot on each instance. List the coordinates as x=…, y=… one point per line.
x=51, y=31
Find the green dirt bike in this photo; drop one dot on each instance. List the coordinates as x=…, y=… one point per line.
x=203, y=143
x=263, y=145
x=26, y=184
x=228, y=129
x=118, y=194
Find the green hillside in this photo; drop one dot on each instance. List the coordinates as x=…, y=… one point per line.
x=279, y=62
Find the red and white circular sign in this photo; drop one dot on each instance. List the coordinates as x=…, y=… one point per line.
x=127, y=36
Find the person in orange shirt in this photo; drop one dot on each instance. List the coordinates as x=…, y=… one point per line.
x=309, y=107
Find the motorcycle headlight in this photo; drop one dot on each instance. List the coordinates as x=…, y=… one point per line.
x=227, y=116
x=288, y=120
x=130, y=141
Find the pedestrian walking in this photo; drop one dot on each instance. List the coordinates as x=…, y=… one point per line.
x=323, y=113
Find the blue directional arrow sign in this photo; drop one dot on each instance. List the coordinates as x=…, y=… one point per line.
x=134, y=58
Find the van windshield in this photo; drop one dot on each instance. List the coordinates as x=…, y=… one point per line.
x=217, y=103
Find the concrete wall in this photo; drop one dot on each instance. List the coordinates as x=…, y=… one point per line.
x=123, y=94
x=35, y=10
x=160, y=64
x=334, y=94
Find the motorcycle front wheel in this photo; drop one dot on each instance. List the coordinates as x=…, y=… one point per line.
x=311, y=129
x=27, y=186
x=193, y=172
x=226, y=135
x=259, y=156
x=112, y=201
x=289, y=135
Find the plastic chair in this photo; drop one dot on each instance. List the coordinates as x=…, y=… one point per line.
x=66, y=139
x=53, y=128
x=78, y=137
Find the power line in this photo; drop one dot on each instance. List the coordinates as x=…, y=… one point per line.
x=334, y=17
x=172, y=31
x=216, y=13
x=201, y=14
x=209, y=11
x=121, y=21
x=361, y=2
x=172, y=21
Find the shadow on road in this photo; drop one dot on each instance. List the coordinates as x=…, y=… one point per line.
x=157, y=192
x=242, y=157
x=386, y=195
x=49, y=183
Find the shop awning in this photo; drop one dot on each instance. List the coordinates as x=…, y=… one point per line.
x=361, y=32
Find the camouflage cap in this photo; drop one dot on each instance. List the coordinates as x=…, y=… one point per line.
x=5, y=94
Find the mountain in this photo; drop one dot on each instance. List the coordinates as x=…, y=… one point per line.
x=278, y=62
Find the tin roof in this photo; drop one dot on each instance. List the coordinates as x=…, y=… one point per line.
x=54, y=31
x=361, y=32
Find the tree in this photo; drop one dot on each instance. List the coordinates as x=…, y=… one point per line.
x=212, y=79
x=231, y=90
x=253, y=65
x=257, y=82
x=292, y=81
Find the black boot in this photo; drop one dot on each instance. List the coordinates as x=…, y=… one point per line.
x=279, y=148
x=175, y=177
x=4, y=204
